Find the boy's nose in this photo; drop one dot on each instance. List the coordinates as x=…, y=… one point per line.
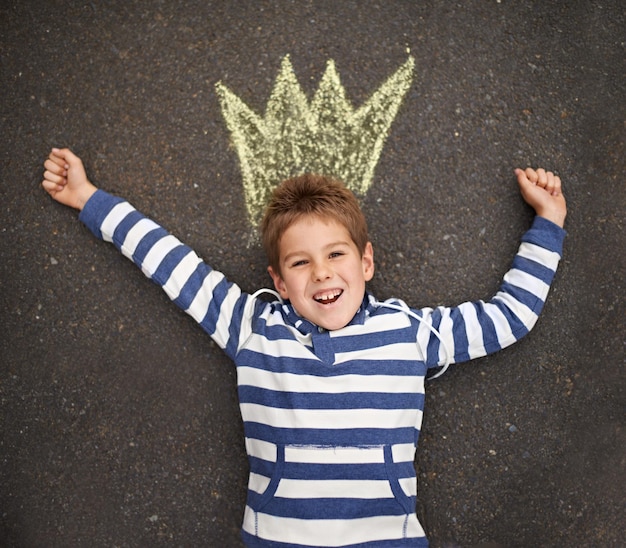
x=321, y=271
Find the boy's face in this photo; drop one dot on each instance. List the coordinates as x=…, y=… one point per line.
x=322, y=272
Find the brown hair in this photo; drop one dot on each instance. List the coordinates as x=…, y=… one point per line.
x=310, y=194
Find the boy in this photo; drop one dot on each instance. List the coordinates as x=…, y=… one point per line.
x=330, y=381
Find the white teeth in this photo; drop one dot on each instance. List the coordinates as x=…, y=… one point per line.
x=328, y=297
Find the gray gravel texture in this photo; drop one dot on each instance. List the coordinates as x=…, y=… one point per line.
x=119, y=420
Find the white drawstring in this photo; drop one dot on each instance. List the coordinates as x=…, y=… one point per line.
x=266, y=290
x=408, y=311
x=253, y=297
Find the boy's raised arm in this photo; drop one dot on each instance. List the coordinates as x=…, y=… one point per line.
x=65, y=179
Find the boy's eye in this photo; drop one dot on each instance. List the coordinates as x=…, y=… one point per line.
x=298, y=263
x=336, y=254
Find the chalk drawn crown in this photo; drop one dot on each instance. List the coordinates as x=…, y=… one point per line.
x=325, y=135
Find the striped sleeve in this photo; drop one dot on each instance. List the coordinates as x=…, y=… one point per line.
x=475, y=329
x=205, y=294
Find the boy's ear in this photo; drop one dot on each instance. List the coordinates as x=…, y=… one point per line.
x=367, y=261
x=279, y=283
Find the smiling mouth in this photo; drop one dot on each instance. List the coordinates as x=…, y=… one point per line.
x=328, y=297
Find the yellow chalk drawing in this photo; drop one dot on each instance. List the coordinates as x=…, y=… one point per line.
x=326, y=135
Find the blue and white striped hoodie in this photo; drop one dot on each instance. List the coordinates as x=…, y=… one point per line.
x=332, y=418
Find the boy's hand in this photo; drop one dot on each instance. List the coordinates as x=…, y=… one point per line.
x=65, y=179
x=541, y=190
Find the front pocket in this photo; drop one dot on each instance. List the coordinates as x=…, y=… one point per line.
x=352, y=481
x=407, y=502
x=277, y=474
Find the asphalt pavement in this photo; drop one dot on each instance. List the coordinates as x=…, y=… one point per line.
x=119, y=423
